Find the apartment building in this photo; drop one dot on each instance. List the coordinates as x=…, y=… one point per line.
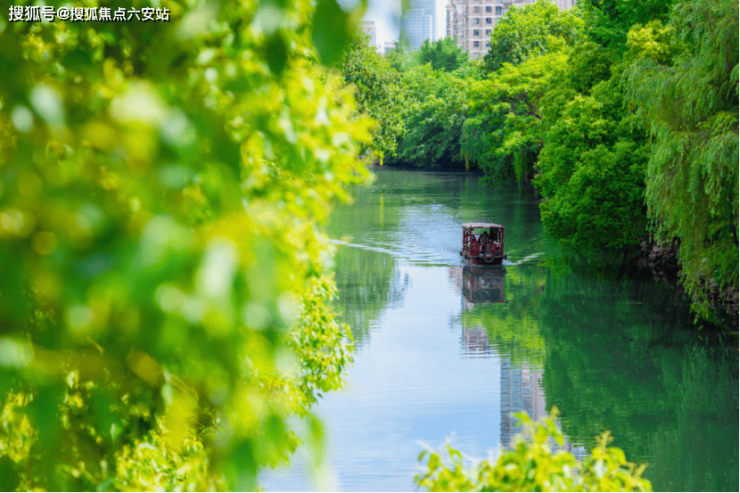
x=471, y=22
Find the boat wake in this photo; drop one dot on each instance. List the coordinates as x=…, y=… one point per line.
x=426, y=258
x=525, y=259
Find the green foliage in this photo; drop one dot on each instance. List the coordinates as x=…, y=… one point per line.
x=417, y=98
x=399, y=57
x=443, y=54
x=332, y=31
x=528, y=57
x=609, y=108
x=690, y=102
x=535, y=464
x=553, y=110
x=588, y=65
x=436, y=108
x=162, y=193
x=530, y=30
x=379, y=93
x=608, y=21
x=592, y=172
x=504, y=132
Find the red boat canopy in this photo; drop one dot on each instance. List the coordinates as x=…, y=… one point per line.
x=481, y=225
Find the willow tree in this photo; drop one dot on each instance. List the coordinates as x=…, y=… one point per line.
x=162, y=189
x=691, y=106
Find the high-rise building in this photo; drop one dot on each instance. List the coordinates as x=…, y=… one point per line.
x=388, y=46
x=368, y=27
x=521, y=390
x=471, y=22
x=419, y=22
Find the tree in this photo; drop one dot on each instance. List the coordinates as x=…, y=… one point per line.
x=690, y=103
x=443, y=54
x=400, y=57
x=529, y=50
x=162, y=193
x=507, y=105
x=378, y=93
x=608, y=21
x=592, y=172
x=436, y=108
x=525, y=31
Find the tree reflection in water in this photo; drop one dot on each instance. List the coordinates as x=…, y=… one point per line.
x=368, y=283
x=521, y=389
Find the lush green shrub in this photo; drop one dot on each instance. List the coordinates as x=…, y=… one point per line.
x=535, y=464
x=162, y=190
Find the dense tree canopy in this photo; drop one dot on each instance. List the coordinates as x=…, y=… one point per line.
x=508, y=109
x=378, y=93
x=530, y=30
x=608, y=21
x=434, y=114
x=592, y=171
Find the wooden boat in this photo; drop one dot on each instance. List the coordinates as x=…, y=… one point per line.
x=483, y=243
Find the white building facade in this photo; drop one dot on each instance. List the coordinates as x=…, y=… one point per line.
x=471, y=22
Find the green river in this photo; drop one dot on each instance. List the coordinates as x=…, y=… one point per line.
x=449, y=351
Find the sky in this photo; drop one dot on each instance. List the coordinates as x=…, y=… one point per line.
x=386, y=14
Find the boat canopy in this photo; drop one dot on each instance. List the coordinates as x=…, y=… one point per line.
x=481, y=225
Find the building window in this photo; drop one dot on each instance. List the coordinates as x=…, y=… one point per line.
x=488, y=44
x=488, y=10
x=499, y=10
x=476, y=32
x=489, y=20
x=476, y=21
x=476, y=10
x=488, y=32
x=476, y=44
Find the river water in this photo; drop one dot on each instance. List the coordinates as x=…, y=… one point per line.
x=447, y=352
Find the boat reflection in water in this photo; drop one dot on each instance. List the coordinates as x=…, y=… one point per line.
x=482, y=285
x=477, y=285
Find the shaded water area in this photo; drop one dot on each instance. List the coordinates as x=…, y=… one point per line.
x=446, y=350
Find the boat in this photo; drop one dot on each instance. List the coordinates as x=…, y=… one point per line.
x=483, y=243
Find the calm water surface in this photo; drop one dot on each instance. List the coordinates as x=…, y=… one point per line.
x=447, y=351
